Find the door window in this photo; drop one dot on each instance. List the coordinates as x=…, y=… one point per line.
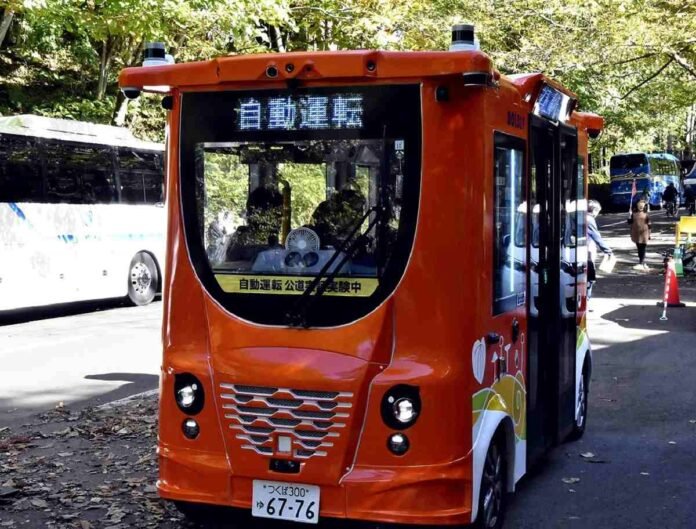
x=510, y=225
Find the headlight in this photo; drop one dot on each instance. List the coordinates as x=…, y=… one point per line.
x=188, y=393
x=404, y=411
x=401, y=406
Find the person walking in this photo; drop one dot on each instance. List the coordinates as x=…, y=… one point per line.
x=640, y=233
x=595, y=242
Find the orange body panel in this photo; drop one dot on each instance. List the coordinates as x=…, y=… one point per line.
x=421, y=335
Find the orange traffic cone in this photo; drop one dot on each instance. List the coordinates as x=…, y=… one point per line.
x=671, y=297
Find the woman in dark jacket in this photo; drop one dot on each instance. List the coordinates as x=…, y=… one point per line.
x=640, y=233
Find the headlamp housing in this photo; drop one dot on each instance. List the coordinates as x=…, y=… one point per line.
x=188, y=393
x=401, y=406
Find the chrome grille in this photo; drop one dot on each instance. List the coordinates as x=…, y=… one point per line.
x=312, y=419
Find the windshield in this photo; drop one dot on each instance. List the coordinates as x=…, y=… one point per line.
x=295, y=186
x=624, y=163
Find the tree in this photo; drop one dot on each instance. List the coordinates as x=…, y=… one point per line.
x=633, y=61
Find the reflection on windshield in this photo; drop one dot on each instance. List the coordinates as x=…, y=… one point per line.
x=521, y=223
x=285, y=208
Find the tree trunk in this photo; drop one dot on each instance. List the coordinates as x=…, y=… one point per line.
x=118, y=117
x=107, y=53
x=690, y=136
x=5, y=24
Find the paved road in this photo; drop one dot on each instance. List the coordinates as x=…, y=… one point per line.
x=642, y=422
x=82, y=358
x=642, y=427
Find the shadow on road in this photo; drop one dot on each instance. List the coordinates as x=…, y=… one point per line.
x=22, y=406
x=647, y=317
x=55, y=311
x=136, y=383
x=12, y=317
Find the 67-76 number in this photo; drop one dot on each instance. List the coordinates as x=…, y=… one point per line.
x=283, y=507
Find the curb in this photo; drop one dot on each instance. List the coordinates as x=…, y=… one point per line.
x=126, y=400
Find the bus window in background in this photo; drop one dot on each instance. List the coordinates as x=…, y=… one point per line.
x=140, y=175
x=79, y=174
x=20, y=170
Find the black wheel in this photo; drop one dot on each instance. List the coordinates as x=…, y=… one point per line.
x=143, y=279
x=194, y=513
x=205, y=516
x=492, y=495
x=580, y=409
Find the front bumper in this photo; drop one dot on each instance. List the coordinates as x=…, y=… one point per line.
x=432, y=495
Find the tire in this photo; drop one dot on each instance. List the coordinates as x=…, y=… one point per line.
x=195, y=514
x=205, y=516
x=493, y=491
x=580, y=423
x=143, y=279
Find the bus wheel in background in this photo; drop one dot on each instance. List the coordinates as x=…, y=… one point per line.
x=491, y=508
x=143, y=279
x=580, y=409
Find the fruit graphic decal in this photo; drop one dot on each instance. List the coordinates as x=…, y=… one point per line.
x=478, y=359
x=507, y=391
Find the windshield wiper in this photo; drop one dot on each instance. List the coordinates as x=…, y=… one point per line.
x=297, y=316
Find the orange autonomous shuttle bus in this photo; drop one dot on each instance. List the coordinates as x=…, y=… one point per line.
x=374, y=305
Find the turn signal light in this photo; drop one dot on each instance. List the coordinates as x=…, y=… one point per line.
x=398, y=444
x=190, y=428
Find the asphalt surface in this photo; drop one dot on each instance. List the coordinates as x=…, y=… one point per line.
x=98, y=352
x=641, y=429
x=635, y=468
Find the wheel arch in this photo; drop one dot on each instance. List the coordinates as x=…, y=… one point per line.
x=583, y=358
x=493, y=425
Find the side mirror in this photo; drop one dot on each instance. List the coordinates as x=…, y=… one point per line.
x=506, y=241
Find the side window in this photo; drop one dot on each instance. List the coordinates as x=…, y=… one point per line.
x=509, y=215
x=20, y=169
x=141, y=176
x=79, y=174
x=581, y=206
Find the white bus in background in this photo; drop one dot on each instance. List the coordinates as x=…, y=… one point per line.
x=81, y=213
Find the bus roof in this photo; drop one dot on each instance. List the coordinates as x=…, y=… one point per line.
x=662, y=155
x=351, y=65
x=308, y=66
x=70, y=130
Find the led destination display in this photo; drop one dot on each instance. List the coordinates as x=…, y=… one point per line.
x=300, y=112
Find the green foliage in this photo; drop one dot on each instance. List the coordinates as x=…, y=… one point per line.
x=308, y=185
x=632, y=61
x=598, y=178
x=226, y=185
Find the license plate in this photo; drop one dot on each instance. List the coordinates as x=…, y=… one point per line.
x=285, y=501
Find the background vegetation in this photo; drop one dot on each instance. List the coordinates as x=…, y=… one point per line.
x=633, y=61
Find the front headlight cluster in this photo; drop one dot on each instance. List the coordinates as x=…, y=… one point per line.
x=190, y=398
x=401, y=406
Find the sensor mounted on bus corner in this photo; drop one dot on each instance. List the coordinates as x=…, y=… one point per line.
x=131, y=92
